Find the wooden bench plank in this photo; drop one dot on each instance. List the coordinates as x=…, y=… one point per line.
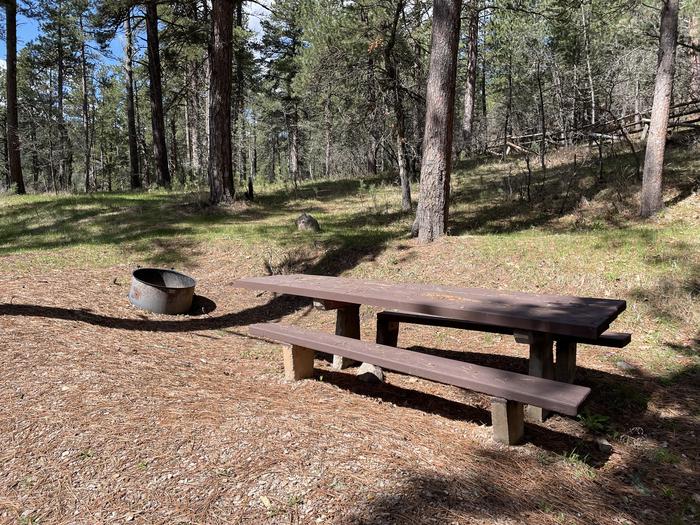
x=551, y=395
x=607, y=339
x=555, y=314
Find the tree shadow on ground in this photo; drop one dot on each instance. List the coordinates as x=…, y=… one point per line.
x=487, y=492
x=343, y=252
x=542, y=437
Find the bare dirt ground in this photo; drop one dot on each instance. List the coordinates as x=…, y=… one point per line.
x=112, y=415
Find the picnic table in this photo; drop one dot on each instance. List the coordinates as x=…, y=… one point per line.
x=537, y=320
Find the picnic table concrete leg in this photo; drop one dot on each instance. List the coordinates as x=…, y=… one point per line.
x=507, y=420
x=565, y=366
x=387, y=332
x=541, y=364
x=298, y=362
x=347, y=324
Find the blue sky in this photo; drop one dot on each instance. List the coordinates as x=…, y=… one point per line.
x=28, y=29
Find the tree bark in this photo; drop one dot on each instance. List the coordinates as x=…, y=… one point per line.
x=484, y=111
x=13, y=145
x=293, y=125
x=694, y=31
x=433, y=205
x=173, y=147
x=253, y=162
x=587, y=47
x=87, y=144
x=397, y=99
x=160, y=152
x=509, y=106
x=327, y=122
x=652, y=197
x=65, y=166
x=34, y=154
x=238, y=98
x=220, y=70
x=192, y=110
x=470, y=81
x=543, y=124
x=135, y=176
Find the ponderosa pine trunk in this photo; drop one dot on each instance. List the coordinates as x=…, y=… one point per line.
x=652, y=197
x=176, y=171
x=484, y=110
x=392, y=73
x=433, y=205
x=293, y=125
x=90, y=183
x=470, y=80
x=587, y=46
x=507, y=131
x=65, y=165
x=34, y=154
x=250, y=194
x=160, y=152
x=220, y=71
x=328, y=130
x=14, y=159
x=239, y=99
x=192, y=117
x=135, y=175
x=694, y=31
x=543, y=124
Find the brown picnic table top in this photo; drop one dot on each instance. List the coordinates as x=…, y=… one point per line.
x=551, y=314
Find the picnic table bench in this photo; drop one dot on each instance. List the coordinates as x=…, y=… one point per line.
x=533, y=319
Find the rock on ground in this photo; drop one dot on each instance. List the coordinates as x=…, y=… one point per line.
x=370, y=373
x=306, y=222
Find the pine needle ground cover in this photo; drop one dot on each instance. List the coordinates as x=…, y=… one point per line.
x=110, y=415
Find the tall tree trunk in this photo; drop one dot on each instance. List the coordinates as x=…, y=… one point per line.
x=587, y=46
x=253, y=161
x=160, y=152
x=173, y=146
x=87, y=144
x=241, y=147
x=637, y=105
x=372, y=115
x=220, y=71
x=192, y=107
x=13, y=146
x=694, y=31
x=509, y=106
x=470, y=81
x=273, y=157
x=145, y=166
x=5, y=159
x=65, y=166
x=433, y=205
x=293, y=125
x=484, y=110
x=327, y=123
x=135, y=175
x=652, y=197
x=238, y=98
x=35, y=154
x=543, y=123
x=392, y=73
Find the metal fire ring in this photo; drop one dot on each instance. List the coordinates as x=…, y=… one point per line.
x=161, y=291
